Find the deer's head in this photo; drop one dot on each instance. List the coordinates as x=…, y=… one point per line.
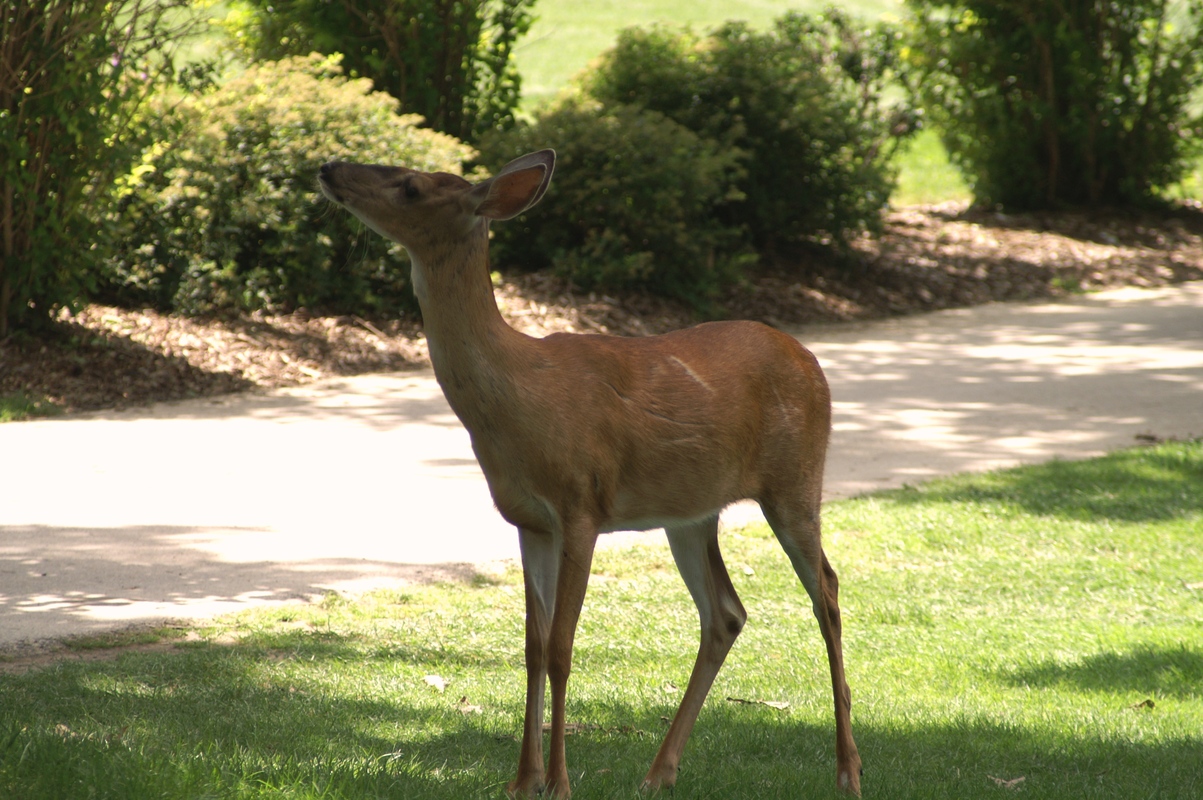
x=424, y=209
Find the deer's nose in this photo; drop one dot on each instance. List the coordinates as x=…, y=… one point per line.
x=327, y=182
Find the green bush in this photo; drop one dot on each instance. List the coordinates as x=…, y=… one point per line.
x=71, y=75
x=223, y=214
x=802, y=105
x=631, y=205
x=449, y=62
x=1076, y=103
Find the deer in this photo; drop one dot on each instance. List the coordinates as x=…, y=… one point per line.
x=583, y=434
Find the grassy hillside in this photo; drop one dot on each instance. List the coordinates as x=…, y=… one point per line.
x=568, y=34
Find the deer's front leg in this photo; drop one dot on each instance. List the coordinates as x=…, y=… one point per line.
x=540, y=570
x=577, y=556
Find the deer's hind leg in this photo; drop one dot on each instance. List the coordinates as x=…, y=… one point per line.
x=695, y=549
x=796, y=524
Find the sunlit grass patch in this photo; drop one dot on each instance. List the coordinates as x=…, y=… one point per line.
x=926, y=175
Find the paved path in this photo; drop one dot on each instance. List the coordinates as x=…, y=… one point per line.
x=191, y=509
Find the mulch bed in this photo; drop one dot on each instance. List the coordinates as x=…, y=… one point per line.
x=928, y=258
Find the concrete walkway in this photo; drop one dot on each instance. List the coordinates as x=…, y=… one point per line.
x=197, y=508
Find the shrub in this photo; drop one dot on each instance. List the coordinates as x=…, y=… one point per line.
x=449, y=62
x=224, y=214
x=631, y=205
x=803, y=105
x=70, y=75
x=1047, y=104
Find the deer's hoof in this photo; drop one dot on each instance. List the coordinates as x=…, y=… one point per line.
x=848, y=782
x=658, y=779
x=524, y=788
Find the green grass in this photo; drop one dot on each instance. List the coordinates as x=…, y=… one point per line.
x=925, y=174
x=568, y=35
x=20, y=406
x=1004, y=626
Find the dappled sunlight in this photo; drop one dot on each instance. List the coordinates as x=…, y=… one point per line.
x=70, y=580
x=378, y=401
x=181, y=510
x=986, y=388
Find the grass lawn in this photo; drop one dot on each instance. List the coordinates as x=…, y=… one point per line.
x=1034, y=632
x=567, y=34
x=925, y=174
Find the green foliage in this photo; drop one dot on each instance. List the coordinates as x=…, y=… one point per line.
x=802, y=104
x=446, y=61
x=70, y=76
x=1048, y=104
x=631, y=205
x=696, y=150
x=223, y=214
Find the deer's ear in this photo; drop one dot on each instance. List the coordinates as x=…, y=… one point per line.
x=520, y=184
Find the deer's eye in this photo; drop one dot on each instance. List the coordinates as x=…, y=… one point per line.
x=411, y=190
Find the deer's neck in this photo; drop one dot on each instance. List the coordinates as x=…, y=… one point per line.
x=472, y=349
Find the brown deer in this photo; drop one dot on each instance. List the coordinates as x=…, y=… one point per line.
x=580, y=435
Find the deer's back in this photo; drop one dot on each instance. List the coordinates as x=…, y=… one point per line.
x=662, y=423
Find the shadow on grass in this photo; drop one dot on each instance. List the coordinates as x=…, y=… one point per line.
x=223, y=721
x=1176, y=672
x=412, y=651
x=1136, y=485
